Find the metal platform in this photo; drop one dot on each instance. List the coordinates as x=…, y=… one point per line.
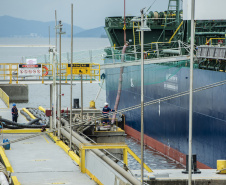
x=40, y=161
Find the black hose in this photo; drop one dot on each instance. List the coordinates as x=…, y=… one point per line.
x=11, y=126
x=39, y=114
x=8, y=122
x=26, y=115
x=33, y=121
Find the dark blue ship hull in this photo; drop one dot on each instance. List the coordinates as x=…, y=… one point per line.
x=166, y=123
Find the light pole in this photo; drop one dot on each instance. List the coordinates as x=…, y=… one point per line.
x=191, y=93
x=142, y=29
x=54, y=89
x=71, y=73
x=59, y=110
x=81, y=98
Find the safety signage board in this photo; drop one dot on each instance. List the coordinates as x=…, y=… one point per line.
x=30, y=70
x=83, y=69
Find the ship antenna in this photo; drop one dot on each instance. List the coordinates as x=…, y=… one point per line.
x=149, y=7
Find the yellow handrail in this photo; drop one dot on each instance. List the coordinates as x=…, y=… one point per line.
x=170, y=40
x=4, y=97
x=176, y=31
x=134, y=42
x=138, y=159
x=85, y=146
x=11, y=72
x=210, y=40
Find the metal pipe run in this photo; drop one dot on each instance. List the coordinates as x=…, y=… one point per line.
x=77, y=140
x=210, y=33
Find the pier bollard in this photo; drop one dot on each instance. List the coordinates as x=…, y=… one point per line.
x=221, y=166
x=193, y=164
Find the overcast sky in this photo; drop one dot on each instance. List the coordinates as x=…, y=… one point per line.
x=87, y=13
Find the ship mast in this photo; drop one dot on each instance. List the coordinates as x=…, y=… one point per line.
x=172, y=7
x=124, y=28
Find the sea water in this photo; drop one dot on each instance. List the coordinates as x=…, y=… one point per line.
x=39, y=94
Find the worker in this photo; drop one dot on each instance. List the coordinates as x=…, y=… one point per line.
x=105, y=112
x=14, y=113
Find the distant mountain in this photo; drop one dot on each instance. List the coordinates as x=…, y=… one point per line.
x=95, y=32
x=14, y=27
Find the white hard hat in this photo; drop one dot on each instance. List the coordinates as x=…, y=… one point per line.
x=105, y=103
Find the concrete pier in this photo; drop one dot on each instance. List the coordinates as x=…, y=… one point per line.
x=16, y=93
x=39, y=161
x=2, y=104
x=176, y=177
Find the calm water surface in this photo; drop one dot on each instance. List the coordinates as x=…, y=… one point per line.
x=152, y=158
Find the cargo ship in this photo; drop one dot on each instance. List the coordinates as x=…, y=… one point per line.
x=166, y=123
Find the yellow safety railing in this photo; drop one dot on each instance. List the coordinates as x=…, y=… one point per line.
x=175, y=31
x=95, y=71
x=63, y=71
x=170, y=40
x=126, y=149
x=4, y=97
x=11, y=72
x=134, y=33
x=210, y=41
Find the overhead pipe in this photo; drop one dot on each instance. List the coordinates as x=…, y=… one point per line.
x=77, y=140
x=209, y=33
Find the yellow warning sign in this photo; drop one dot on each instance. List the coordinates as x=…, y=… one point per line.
x=83, y=69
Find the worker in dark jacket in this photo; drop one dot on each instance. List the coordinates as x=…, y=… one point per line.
x=14, y=113
x=105, y=112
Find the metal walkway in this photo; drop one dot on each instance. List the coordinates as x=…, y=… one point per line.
x=39, y=161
